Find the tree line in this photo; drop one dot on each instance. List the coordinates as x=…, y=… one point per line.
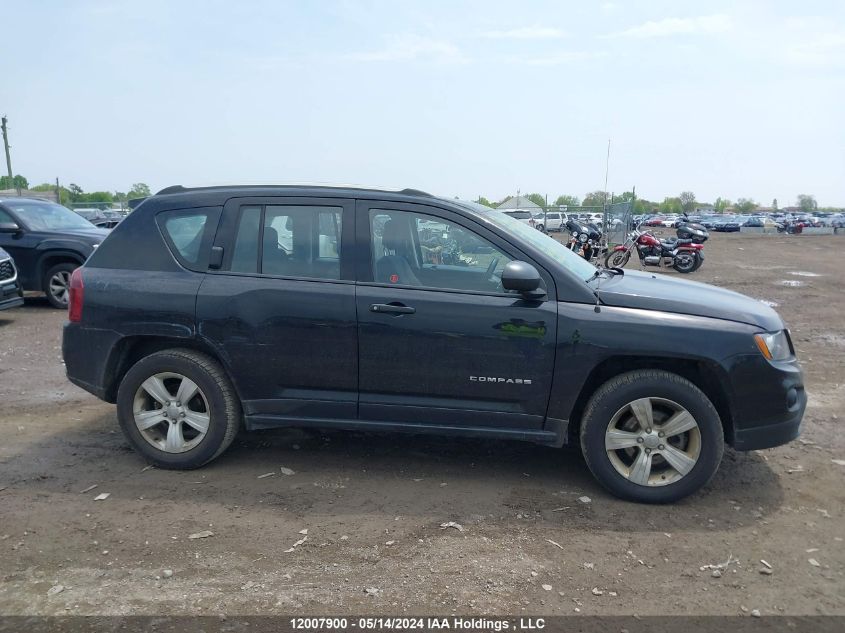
x=74, y=194
x=684, y=202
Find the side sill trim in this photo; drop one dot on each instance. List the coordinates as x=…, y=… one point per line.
x=257, y=422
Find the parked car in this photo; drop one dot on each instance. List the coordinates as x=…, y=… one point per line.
x=655, y=221
x=11, y=293
x=196, y=320
x=523, y=216
x=98, y=218
x=761, y=222
x=539, y=220
x=555, y=221
x=47, y=241
x=726, y=224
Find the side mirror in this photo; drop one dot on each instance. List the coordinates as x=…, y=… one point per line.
x=9, y=227
x=523, y=278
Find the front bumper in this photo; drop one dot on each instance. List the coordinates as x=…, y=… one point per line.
x=769, y=402
x=769, y=435
x=11, y=294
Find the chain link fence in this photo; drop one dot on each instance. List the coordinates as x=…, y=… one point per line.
x=618, y=221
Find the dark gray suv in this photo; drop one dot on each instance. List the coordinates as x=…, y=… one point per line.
x=47, y=241
x=212, y=309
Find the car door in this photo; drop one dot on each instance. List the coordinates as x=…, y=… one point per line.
x=280, y=307
x=440, y=342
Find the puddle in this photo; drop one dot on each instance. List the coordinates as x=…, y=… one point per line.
x=771, y=304
x=801, y=273
x=792, y=283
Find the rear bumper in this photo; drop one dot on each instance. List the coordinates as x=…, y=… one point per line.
x=87, y=353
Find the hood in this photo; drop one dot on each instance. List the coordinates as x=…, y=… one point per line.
x=94, y=235
x=647, y=291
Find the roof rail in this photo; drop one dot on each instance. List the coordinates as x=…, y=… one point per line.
x=171, y=189
x=416, y=192
x=182, y=189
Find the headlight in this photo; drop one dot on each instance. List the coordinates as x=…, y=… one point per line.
x=773, y=345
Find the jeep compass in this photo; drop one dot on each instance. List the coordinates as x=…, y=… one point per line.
x=213, y=309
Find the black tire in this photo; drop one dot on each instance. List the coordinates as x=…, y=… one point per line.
x=224, y=409
x=58, y=299
x=541, y=228
x=699, y=260
x=613, y=396
x=617, y=259
x=685, y=262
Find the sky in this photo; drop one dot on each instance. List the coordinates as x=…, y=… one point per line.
x=739, y=98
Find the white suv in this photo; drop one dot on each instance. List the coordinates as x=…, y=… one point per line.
x=555, y=221
x=523, y=216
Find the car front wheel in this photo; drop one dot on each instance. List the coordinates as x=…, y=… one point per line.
x=651, y=436
x=178, y=408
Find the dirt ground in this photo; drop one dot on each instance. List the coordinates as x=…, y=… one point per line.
x=373, y=505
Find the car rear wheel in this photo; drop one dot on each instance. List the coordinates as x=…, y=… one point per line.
x=56, y=284
x=178, y=408
x=651, y=436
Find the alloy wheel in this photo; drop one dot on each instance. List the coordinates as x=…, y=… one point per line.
x=59, y=286
x=171, y=412
x=653, y=442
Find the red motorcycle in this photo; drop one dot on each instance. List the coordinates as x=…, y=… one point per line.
x=683, y=253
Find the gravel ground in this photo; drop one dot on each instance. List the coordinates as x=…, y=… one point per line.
x=373, y=505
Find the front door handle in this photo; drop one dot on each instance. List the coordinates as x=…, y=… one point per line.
x=392, y=308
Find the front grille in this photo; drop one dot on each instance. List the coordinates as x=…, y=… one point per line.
x=7, y=270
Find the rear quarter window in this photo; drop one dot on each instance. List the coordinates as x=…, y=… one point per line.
x=189, y=234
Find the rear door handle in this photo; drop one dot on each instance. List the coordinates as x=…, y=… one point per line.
x=392, y=308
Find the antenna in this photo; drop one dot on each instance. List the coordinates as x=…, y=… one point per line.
x=597, y=308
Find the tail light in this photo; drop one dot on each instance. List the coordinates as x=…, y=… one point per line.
x=77, y=293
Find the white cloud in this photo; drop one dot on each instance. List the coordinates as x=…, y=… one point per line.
x=718, y=23
x=526, y=33
x=411, y=47
x=608, y=7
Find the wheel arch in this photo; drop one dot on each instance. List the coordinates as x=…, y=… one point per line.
x=51, y=258
x=130, y=349
x=703, y=374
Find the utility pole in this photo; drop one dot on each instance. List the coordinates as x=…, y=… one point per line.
x=8, y=157
x=58, y=192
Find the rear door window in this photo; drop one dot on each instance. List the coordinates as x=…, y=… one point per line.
x=289, y=241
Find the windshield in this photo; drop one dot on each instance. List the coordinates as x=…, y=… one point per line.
x=542, y=242
x=47, y=216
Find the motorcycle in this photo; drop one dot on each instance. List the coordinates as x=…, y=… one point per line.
x=684, y=253
x=585, y=239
